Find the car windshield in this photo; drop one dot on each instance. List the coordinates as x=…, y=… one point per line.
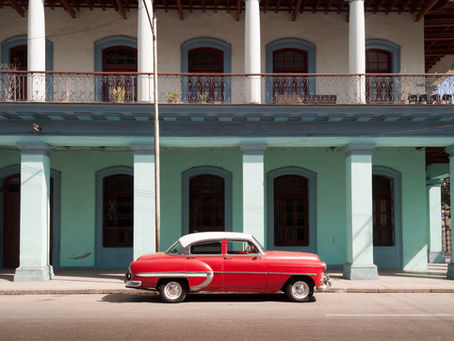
x=175, y=248
x=259, y=245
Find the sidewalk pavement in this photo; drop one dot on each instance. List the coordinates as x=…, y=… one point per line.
x=111, y=282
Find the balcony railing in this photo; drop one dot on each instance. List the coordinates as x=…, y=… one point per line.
x=189, y=88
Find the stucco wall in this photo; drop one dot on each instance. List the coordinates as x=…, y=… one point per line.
x=78, y=187
x=411, y=164
x=74, y=38
x=329, y=166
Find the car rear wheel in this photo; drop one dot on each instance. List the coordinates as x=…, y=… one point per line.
x=172, y=291
x=299, y=290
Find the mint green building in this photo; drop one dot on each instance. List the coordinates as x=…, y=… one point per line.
x=257, y=134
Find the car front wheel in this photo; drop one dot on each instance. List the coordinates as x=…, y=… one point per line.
x=299, y=290
x=172, y=291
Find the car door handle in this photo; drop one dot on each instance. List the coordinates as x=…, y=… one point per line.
x=227, y=257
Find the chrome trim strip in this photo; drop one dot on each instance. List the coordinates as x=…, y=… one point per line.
x=264, y=273
x=173, y=274
x=205, y=283
x=292, y=274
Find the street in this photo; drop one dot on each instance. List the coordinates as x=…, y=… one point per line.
x=332, y=316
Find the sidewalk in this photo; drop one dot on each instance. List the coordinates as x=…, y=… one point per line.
x=111, y=282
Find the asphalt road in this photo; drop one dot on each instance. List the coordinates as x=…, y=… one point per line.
x=332, y=316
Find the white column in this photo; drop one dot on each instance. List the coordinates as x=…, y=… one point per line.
x=357, y=50
x=252, y=59
x=34, y=214
x=253, y=190
x=360, y=252
x=436, y=254
x=145, y=52
x=450, y=151
x=144, y=200
x=36, y=51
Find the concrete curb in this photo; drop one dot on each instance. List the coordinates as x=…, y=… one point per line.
x=136, y=292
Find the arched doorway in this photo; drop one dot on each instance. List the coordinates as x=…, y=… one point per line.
x=119, y=87
x=387, y=226
x=288, y=61
x=206, y=88
x=379, y=89
x=114, y=217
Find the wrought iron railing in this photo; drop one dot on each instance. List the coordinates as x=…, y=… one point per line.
x=189, y=88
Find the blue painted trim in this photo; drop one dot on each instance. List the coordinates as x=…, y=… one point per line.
x=391, y=257
x=287, y=43
x=12, y=42
x=105, y=43
x=312, y=179
x=117, y=257
x=213, y=43
x=388, y=46
x=56, y=175
x=190, y=173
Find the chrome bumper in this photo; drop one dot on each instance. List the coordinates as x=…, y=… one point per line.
x=133, y=284
x=325, y=283
x=130, y=283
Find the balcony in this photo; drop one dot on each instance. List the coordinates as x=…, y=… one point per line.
x=226, y=89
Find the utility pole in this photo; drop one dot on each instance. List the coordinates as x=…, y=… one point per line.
x=153, y=25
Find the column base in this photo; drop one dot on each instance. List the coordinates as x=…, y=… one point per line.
x=437, y=257
x=360, y=271
x=450, y=273
x=43, y=273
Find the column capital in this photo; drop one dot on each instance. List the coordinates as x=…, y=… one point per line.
x=33, y=147
x=253, y=148
x=434, y=182
x=359, y=149
x=450, y=150
x=142, y=148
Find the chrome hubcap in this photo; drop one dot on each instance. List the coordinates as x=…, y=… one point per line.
x=300, y=289
x=173, y=290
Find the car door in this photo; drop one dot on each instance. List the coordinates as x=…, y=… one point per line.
x=245, y=270
x=209, y=252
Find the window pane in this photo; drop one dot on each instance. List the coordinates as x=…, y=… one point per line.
x=118, y=211
x=291, y=227
x=206, y=248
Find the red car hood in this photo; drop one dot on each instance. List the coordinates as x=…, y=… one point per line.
x=291, y=255
x=160, y=255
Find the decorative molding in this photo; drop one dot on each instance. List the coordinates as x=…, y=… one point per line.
x=359, y=149
x=12, y=42
x=388, y=46
x=206, y=42
x=253, y=148
x=107, y=42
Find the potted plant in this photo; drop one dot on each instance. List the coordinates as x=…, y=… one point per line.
x=118, y=94
x=10, y=82
x=173, y=97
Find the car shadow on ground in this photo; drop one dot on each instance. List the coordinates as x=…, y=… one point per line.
x=153, y=297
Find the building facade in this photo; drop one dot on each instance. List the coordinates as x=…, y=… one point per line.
x=316, y=126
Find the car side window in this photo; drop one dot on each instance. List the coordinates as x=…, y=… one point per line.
x=240, y=247
x=207, y=248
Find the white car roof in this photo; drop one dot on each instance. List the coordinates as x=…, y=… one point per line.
x=200, y=236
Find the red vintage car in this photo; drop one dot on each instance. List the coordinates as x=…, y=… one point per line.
x=227, y=262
